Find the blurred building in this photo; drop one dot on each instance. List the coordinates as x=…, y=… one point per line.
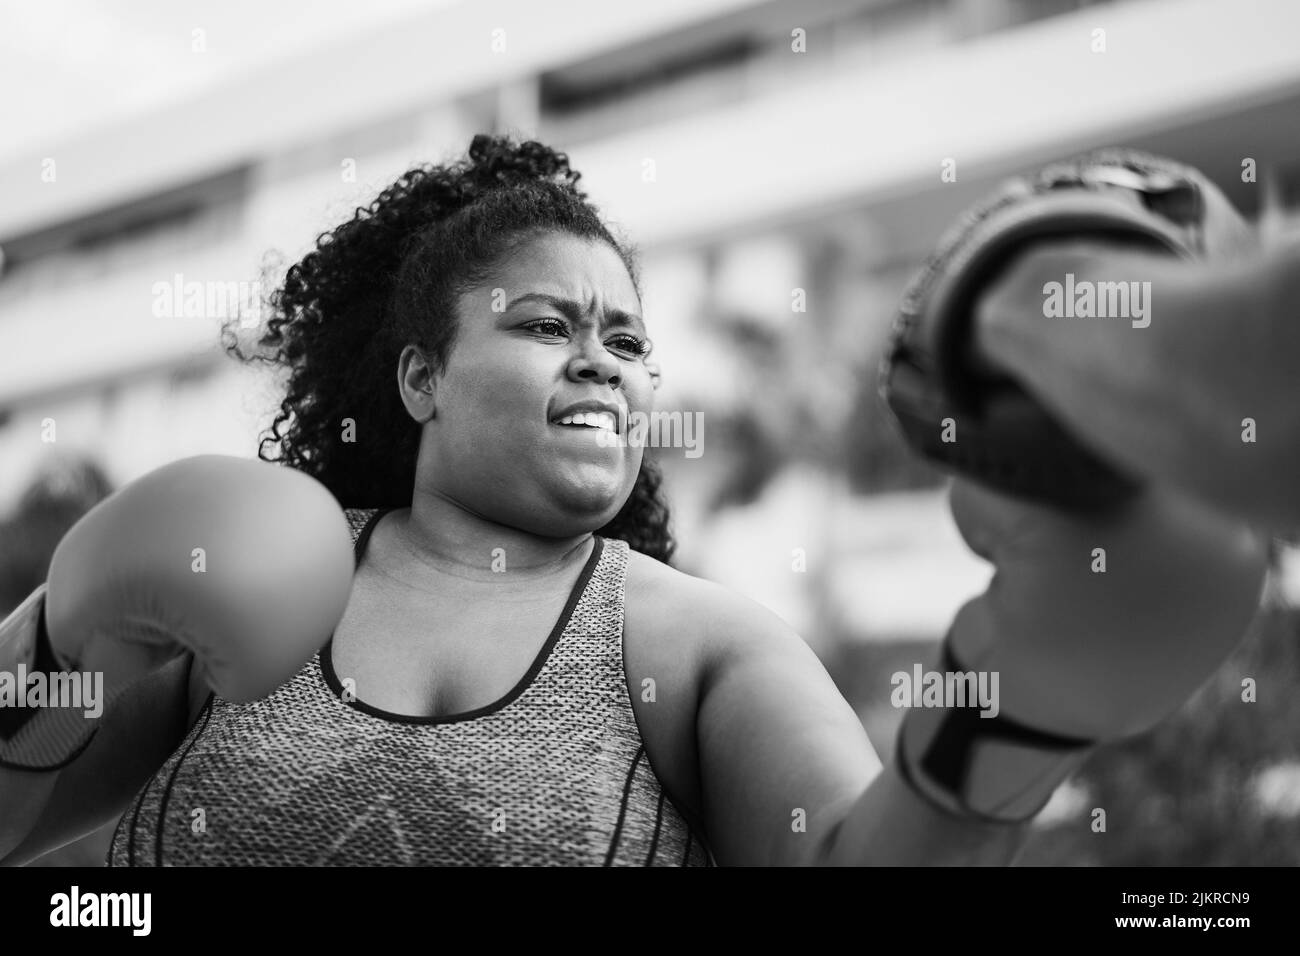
x=761, y=154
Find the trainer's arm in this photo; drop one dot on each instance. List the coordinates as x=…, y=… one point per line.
x=1168, y=400
x=787, y=773
x=43, y=810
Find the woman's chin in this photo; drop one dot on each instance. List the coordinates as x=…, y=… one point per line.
x=564, y=525
x=587, y=504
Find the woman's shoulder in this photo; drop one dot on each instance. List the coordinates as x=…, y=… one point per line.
x=694, y=615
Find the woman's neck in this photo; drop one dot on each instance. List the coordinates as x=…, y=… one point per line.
x=437, y=535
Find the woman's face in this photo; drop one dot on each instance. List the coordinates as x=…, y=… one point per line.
x=555, y=332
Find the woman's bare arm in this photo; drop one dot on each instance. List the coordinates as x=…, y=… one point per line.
x=788, y=774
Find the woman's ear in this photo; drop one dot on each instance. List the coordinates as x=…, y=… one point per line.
x=417, y=382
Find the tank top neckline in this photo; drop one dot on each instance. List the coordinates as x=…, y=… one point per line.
x=331, y=678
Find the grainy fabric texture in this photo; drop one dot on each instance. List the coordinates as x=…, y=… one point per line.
x=554, y=773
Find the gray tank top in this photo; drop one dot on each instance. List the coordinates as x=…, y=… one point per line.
x=553, y=773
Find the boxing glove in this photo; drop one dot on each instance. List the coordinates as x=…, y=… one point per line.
x=1096, y=627
x=246, y=564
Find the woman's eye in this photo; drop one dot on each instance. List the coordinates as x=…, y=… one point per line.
x=630, y=343
x=620, y=343
x=548, y=326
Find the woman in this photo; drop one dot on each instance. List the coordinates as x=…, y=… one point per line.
x=519, y=677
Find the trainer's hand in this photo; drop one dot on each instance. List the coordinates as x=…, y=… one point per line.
x=957, y=402
x=1103, y=654
x=245, y=563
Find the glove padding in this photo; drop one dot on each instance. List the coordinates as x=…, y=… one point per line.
x=1004, y=438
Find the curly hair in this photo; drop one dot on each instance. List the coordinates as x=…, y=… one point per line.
x=390, y=276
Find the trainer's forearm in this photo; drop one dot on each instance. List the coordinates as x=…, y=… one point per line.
x=1168, y=400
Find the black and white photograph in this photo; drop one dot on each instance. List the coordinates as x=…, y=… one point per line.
x=700, y=433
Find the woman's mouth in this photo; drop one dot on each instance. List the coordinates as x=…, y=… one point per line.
x=604, y=421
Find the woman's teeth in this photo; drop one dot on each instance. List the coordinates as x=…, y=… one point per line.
x=591, y=420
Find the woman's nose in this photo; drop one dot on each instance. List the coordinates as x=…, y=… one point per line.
x=591, y=362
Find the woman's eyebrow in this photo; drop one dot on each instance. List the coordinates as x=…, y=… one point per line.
x=575, y=311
